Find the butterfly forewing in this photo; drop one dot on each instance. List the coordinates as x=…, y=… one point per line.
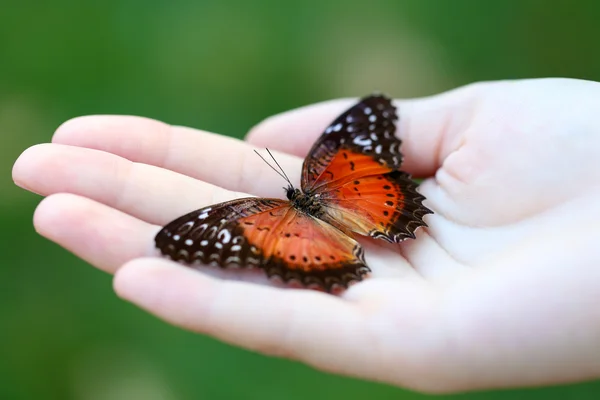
x=360, y=141
x=265, y=233
x=214, y=235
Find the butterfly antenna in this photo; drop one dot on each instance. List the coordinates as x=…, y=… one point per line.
x=272, y=167
x=284, y=174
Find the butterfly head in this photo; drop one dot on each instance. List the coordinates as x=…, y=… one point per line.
x=291, y=192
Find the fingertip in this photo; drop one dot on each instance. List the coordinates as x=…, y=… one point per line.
x=25, y=165
x=50, y=212
x=59, y=211
x=99, y=234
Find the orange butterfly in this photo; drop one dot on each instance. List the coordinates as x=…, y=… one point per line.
x=351, y=183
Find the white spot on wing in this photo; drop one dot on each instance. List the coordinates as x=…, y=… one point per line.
x=368, y=110
x=224, y=236
x=204, y=243
x=372, y=118
x=362, y=141
x=233, y=260
x=176, y=237
x=337, y=127
x=203, y=215
x=189, y=242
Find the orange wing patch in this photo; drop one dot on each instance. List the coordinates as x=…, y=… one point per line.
x=386, y=206
x=346, y=166
x=296, y=246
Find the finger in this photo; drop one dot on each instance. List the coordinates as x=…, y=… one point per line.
x=150, y=193
x=429, y=127
x=267, y=316
x=311, y=326
x=108, y=238
x=100, y=235
x=225, y=162
x=352, y=337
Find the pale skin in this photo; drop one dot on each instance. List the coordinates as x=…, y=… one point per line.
x=502, y=289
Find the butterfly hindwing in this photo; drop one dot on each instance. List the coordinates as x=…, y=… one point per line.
x=269, y=234
x=385, y=207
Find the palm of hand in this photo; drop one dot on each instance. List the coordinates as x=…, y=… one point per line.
x=508, y=250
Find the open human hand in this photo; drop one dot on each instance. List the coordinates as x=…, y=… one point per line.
x=500, y=291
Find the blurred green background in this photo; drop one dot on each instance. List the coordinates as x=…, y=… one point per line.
x=221, y=66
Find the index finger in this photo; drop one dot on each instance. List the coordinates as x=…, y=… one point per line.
x=209, y=157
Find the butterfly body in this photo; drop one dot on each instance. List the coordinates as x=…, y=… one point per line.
x=351, y=184
x=307, y=203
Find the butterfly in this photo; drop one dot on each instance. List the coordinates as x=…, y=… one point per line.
x=350, y=184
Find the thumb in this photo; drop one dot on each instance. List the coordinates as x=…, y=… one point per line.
x=429, y=127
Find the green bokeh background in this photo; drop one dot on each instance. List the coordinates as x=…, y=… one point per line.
x=221, y=66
